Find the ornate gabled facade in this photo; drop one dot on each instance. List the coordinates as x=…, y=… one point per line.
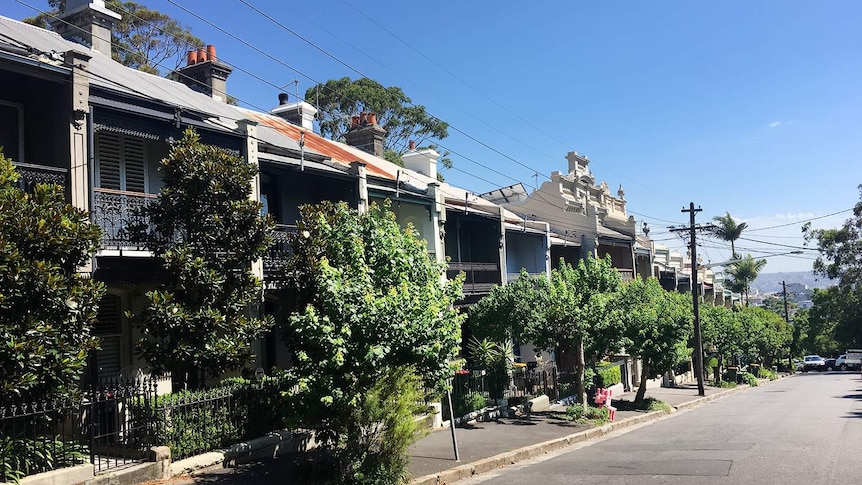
x=581, y=213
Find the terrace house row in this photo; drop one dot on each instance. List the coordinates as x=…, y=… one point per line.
x=69, y=114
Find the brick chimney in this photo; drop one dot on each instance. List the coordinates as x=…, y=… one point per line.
x=203, y=72
x=422, y=161
x=365, y=134
x=299, y=113
x=87, y=22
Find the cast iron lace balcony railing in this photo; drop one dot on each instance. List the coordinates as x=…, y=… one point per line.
x=279, y=253
x=31, y=175
x=114, y=211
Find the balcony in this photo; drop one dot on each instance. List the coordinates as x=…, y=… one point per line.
x=114, y=211
x=626, y=274
x=32, y=175
x=480, y=277
x=279, y=254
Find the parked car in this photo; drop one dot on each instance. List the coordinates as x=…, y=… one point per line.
x=813, y=363
x=830, y=365
x=848, y=361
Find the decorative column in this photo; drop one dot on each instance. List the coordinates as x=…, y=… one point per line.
x=358, y=169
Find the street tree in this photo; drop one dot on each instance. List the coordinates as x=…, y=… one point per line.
x=509, y=310
x=768, y=335
x=840, y=249
x=729, y=230
x=836, y=317
x=578, y=314
x=743, y=273
x=47, y=309
x=206, y=232
x=657, y=326
x=834, y=320
x=369, y=306
x=339, y=99
x=144, y=39
x=721, y=334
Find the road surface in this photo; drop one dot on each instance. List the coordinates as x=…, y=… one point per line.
x=806, y=429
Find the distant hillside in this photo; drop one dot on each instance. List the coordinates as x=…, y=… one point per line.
x=771, y=282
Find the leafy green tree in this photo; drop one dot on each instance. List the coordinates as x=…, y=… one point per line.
x=743, y=273
x=508, y=310
x=768, y=335
x=835, y=321
x=721, y=334
x=579, y=314
x=207, y=232
x=47, y=309
x=369, y=303
x=144, y=38
x=339, y=99
x=840, y=249
x=729, y=230
x=657, y=325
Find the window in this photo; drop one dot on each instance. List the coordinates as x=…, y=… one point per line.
x=108, y=328
x=121, y=162
x=12, y=130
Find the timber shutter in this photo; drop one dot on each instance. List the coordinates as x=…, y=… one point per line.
x=109, y=329
x=121, y=162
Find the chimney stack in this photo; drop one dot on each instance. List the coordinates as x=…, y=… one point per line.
x=299, y=113
x=422, y=161
x=366, y=134
x=87, y=22
x=203, y=72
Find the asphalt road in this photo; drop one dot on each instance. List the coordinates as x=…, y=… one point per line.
x=806, y=429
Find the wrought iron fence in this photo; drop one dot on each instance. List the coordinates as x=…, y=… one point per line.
x=521, y=382
x=98, y=428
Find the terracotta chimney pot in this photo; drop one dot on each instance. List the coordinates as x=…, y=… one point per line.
x=192, y=58
x=412, y=145
x=202, y=55
x=354, y=121
x=372, y=118
x=211, y=53
x=363, y=117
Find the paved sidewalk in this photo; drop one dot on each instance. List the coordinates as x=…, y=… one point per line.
x=483, y=446
x=489, y=445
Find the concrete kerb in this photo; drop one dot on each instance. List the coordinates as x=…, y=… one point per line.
x=511, y=457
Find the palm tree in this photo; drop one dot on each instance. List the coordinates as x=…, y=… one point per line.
x=744, y=272
x=729, y=230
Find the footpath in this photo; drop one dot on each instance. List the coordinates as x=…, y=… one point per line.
x=483, y=446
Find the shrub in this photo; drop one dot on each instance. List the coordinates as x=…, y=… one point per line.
x=765, y=373
x=194, y=422
x=748, y=378
x=608, y=375
x=727, y=384
x=464, y=404
x=20, y=457
x=582, y=414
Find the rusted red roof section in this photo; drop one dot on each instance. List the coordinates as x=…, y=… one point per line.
x=316, y=143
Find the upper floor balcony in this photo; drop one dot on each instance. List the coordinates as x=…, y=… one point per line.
x=480, y=277
x=32, y=175
x=114, y=211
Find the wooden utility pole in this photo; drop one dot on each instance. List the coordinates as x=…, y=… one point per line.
x=695, y=297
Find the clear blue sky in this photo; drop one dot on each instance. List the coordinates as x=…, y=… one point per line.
x=749, y=107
